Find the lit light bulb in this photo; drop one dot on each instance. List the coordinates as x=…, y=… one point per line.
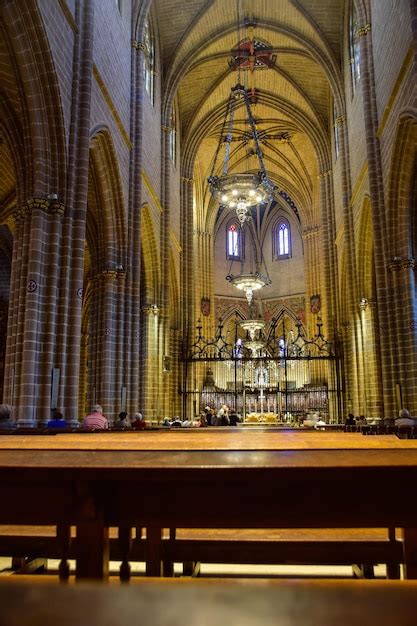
x=258, y=198
x=251, y=192
x=234, y=192
x=224, y=198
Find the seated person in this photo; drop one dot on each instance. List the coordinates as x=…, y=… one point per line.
x=208, y=415
x=233, y=419
x=123, y=421
x=361, y=421
x=138, y=422
x=95, y=420
x=57, y=420
x=176, y=422
x=404, y=418
x=6, y=420
x=166, y=423
x=350, y=420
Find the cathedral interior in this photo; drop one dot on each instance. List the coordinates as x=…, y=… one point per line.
x=172, y=170
x=208, y=206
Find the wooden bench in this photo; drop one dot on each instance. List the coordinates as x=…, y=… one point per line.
x=361, y=548
x=186, y=603
x=185, y=480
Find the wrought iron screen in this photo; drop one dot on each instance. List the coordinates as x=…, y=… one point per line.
x=286, y=378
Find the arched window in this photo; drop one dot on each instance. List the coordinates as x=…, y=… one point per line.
x=149, y=60
x=234, y=244
x=281, y=240
x=354, y=48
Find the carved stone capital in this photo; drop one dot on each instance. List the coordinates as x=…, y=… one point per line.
x=151, y=309
x=364, y=30
x=408, y=264
x=138, y=45
x=395, y=264
x=365, y=304
x=53, y=207
x=339, y=121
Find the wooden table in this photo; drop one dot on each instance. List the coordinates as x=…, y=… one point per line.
x=129, y=480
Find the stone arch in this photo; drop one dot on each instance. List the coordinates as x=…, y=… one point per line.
x=35, y=85
x=103, y=285
x=150, y=259
x=365, y=253
x=105, y=199
x=174, y=295
x=403, y=168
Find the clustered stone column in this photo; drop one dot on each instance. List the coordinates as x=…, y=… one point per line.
x=378, y=219
x=150, y=384
x=404, y=296
x=31, y=342
x=350, y=319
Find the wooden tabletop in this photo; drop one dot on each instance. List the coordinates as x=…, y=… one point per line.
x=207, y=439
x=211, y=603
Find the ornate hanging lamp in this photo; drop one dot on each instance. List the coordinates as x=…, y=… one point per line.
x=252, y=326
x=239, y=191
x=249, y=283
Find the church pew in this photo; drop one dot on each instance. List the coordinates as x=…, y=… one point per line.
x=186, y=603
x=263, y=485
x=234, y=546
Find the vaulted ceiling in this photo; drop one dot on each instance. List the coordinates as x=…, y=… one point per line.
x=293, y=94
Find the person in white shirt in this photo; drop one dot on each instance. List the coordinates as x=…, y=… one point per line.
x=404, y=418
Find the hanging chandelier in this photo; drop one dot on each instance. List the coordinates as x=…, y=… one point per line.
x=255, y=347
x=252, y=326
x=239, y=191
x=249, y=283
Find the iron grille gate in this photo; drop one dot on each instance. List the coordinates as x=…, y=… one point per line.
x=285, y=380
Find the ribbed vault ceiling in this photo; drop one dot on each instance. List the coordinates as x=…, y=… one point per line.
x=294, y=104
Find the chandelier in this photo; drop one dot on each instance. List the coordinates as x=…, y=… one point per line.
x=249, y=283
x=252, y=326
x=239, y=191
x=255, y=347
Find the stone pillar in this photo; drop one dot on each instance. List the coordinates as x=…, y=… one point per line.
x=404, y=297
x=133, y=275
x=378, y=216
x=50, y=310
x=31, y=344
x=164, y=319
x=351, y=339
x=152, y=393
x=371, y=403
x=73, y=237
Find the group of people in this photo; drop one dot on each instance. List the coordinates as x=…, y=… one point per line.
x=97, y=421
x=404, y=419
x=93, y=421
x=223, y=417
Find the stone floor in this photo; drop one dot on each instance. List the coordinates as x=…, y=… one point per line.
x=227, y=571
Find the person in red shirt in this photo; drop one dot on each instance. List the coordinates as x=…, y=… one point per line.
x=96, y=420
x=138, y=423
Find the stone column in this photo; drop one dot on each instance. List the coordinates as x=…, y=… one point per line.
x=372, y=401
x=133, y=276
x=152, y=392
x=73, y=237
x=50, y=310
x=351, y=340
x=31, y=344
x=378, y=216
x=404, y=298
